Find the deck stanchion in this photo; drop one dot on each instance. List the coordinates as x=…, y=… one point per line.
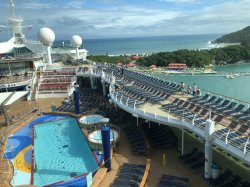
x=226, y=139
x=209, y=130
x=182, y=142
x=193, y=120
x=245, y=147
x=164, y=160
x=106, y=146
x=135, y=105
x=103, y=87
x=137, y=119
x=121, y=99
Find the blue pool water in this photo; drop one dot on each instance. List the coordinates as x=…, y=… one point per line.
x=60, y=152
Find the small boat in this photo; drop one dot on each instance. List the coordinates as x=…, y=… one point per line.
x=231, y=77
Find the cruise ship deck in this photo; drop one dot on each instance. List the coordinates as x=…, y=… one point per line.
x=155, y=100
x=172, y=128
x=160, y=101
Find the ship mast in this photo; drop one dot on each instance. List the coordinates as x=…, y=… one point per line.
x=16, y=25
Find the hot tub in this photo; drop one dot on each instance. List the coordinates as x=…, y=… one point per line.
x=90, y=119
x=95, y=138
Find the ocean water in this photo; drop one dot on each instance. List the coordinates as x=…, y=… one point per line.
x=237, y=88
x=137, y=45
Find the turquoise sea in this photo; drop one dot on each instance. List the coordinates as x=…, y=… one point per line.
x=237, y=88
x=136, y=45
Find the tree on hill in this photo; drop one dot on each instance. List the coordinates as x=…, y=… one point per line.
x=195, y=58
x=235, y=37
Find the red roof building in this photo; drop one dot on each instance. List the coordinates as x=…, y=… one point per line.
x=134, y=57
x=131, y=65
x=153, y=66
x=177, y=66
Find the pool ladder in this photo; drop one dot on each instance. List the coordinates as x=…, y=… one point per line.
x=35, y=167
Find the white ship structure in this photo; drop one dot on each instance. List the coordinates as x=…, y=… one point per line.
x=20, y=58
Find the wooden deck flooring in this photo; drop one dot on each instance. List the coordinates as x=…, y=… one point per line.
x=173, y=166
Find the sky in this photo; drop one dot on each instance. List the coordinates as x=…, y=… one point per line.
x=127, y=18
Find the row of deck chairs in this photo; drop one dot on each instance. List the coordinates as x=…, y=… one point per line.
x=136, y=139
x=161, y=95
x=151, y=88
x=130, y=100
x=115, y=115
x=191, y=112
x=194, y=159
x=151, y=95
x=71, y=108
x=153, y=82
x=87, y=101
x=225, y=107
x=130, y=175
x=88, y=92
x=173, y=181
x=237, y=135
x=165, y=86
x=159, y=136
x=228, y=179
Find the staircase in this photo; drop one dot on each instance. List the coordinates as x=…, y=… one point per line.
x=32, y=95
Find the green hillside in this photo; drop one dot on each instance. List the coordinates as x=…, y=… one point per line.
x=240, y=36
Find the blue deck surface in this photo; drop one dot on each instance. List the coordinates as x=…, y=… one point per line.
x=23, y=138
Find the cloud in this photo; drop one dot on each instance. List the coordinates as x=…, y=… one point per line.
x=34, y=5
x=40, y=21
x=179, y=1
x=71, y=21
x=126, y=18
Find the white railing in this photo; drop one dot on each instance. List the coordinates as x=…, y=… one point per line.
x=16, y=79
x=177, y=121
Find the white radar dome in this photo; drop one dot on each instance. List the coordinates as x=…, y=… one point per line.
x=76, y=40
x=46, y=36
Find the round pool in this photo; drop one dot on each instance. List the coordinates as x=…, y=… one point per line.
x=90, y=119
x=96, y=136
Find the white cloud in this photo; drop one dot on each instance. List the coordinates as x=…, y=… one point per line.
x=178, y=1
x=74, y=17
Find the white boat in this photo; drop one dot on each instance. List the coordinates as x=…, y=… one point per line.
x=231, y=77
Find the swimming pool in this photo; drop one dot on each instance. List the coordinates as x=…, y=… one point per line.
x=19, y=149
x=91, y=119
x=60, y=152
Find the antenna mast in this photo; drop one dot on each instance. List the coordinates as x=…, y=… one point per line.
x=12, y=10
x=16, y=25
